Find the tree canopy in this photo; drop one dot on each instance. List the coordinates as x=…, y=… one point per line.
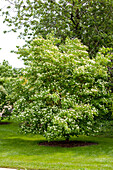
x=89, y=20
x=62, y=91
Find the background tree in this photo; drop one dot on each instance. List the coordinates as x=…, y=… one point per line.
x=3, y=94
x=7, y=76
x=5, y=72
x=89, y=20
x=65, y=90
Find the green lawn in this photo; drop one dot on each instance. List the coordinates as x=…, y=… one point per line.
x=23, y=151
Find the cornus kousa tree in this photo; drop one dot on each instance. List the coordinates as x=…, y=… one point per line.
x=64, y=91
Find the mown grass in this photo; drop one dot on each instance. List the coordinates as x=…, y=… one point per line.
x=23, y=152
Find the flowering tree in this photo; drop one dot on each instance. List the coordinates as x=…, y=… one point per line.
x=62, y=90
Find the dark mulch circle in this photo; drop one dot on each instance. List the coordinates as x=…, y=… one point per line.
x=5, y=123
x=67, y=144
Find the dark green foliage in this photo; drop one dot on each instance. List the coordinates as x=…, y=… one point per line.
x=89, y=20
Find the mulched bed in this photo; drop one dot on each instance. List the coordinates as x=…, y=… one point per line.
x=67, y=144
x=5, y=123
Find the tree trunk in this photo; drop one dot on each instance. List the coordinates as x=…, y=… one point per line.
x=67, y=138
